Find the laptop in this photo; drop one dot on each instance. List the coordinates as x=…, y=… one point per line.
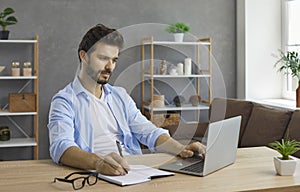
x=221, y=147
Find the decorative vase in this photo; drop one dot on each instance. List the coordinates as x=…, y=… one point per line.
x=15, y=72
x=187, y=66
x=178, y=100
x=163, y=67
x=195, y=100
x=180, y=68
x=172, y=70
x=298, y=95
x=159, y=101
x=285, y=167
x=178, y=37
x=27, y=70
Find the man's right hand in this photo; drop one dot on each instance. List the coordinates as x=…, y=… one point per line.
x=112, y=164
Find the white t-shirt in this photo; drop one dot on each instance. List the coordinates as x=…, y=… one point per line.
x=105, y=127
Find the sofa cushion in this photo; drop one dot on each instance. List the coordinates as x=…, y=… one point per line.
x=294, y=128
x=265, y=125
x=232, y=107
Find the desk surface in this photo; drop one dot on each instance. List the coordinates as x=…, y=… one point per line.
x=252, y=170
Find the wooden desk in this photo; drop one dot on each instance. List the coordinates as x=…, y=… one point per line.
x=252, y=170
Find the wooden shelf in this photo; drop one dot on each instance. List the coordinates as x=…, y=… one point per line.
x=17, y=77
x=177, y=76
x=177, y=43
x=6, y=113
x=18, y=142
x=18, y=41
x=185, y=107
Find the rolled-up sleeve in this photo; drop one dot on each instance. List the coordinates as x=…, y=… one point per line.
x=61, y=127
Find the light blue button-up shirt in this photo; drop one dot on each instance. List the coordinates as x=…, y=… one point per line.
x=70, y=121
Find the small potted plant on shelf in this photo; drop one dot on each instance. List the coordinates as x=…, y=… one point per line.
x=286, y=164
x=27, y=70
x=6, y=20
x=178, y=29
x=291, y=64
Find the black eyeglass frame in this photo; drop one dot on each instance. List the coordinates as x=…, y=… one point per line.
x=85, y=179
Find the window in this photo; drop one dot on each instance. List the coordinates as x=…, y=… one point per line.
x=291, y=40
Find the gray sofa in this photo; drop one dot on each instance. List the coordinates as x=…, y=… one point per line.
x=261, y=124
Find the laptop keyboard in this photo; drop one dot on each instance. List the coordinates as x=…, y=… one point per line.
x=196, y=167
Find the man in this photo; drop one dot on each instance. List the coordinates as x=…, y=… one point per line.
x=88, y=116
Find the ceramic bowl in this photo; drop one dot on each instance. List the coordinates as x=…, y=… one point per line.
x=2, y=68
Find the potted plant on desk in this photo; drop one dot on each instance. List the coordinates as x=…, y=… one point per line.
x=286, y=164
x=291, y=64
x=178, y=29
x=6, y=20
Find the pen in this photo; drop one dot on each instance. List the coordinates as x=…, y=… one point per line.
x=119, y=148
x=120, y=152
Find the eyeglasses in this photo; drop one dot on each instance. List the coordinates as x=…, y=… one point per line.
x=79, y=182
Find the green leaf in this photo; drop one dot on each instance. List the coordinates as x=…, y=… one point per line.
x=5, y=20
x=290, y=61
x=178, y=27
x=11, y=20
x=8, y=11
x=286, y=147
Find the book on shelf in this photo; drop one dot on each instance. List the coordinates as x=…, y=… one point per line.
x=137, y=174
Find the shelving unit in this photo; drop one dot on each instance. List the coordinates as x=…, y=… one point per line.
x=27, y=140
x=148, y=75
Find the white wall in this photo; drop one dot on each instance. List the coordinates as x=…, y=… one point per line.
x=258, y=39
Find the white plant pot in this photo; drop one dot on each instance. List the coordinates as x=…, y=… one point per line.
x=285, y=167
x=178, y=37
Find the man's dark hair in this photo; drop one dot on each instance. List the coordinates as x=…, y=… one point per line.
x=100, y=33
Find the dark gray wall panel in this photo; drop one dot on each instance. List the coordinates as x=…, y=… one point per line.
x=61, y=24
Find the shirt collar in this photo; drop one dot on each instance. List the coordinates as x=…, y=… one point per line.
x=79, y=89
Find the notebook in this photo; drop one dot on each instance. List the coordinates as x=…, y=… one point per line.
x=221, y=147
x=137, y=174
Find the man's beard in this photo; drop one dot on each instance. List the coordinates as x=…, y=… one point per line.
x=94, y=75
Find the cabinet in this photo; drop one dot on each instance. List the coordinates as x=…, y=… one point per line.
x=23, y=125
x=201, y=74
